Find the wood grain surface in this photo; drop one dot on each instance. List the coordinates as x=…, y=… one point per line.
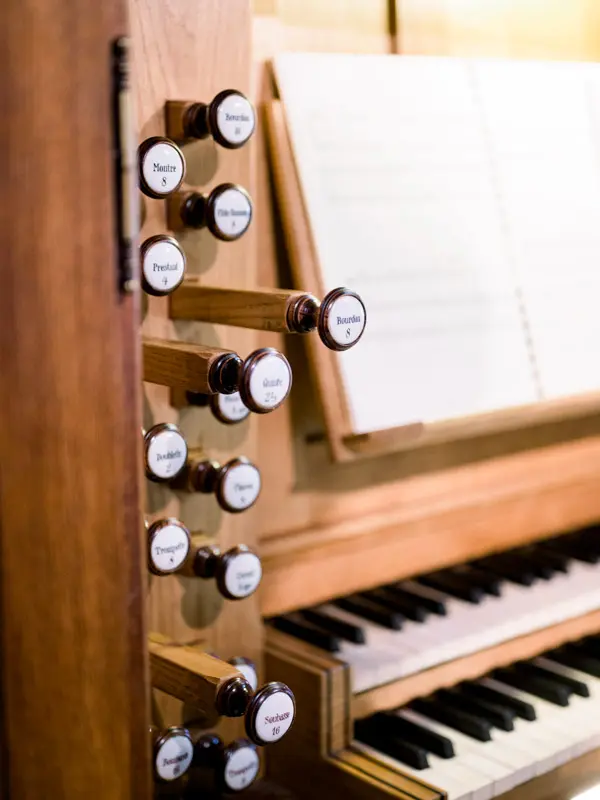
x=259, y=309
x=74, y=707
x=189, y=674
x=181, y=365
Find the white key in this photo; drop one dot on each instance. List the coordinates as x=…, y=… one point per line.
x=562, y=739
x=506, y=767
x=448, y=780
x=468, y=627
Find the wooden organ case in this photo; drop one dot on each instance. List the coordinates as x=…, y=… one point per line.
x=164, y=619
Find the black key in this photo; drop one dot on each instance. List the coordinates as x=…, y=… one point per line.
x=345, y=630
x=490, y=583
x=451, y=584
x=589, y=540
x=392, y=724
x=576, y=686
x=532, y=669
x=591, y=646
x=540, y=568
x=500, y=717
x=521, y=708
x=557, y=561
x=371, y=611
x=539, y=687
x=307, y=632
x=574, y=548
x=572, y=656
x=507, y=566
x=421, y=600
x=406, y=752
x=462, y=721
x=399, y=604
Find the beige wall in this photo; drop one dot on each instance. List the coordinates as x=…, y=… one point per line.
x=520, y=28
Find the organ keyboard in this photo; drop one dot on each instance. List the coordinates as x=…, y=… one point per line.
x=400, y=629
x=482, y=738
x=471, y=682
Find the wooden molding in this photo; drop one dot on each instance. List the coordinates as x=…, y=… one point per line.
x=439, y=520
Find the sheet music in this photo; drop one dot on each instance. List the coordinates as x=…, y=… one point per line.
x=544, y=137
x=413, y=177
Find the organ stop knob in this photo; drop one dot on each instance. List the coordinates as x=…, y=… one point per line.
x=161, y=167
x=247, y=668
x=238, y=571
x=168, y=546
x=226, y=211
x=165, y=452
x=340, y=317
x=236, y=484
x=233, y=767
x=172, y=753
x=229, y=118
x=263, y=379
x=211, y=685
x=227, y=408
x=162, y=263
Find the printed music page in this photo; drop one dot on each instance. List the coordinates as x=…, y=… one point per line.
x=396, y=176
x=461, y=198
x=544, y=126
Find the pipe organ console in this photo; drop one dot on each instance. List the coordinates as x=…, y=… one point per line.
x=242, y=601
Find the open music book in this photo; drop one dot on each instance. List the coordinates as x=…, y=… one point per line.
x=461, y=199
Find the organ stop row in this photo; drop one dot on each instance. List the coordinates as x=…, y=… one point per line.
x=191, y=373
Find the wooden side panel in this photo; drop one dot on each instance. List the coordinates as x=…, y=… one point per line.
x=74, y=701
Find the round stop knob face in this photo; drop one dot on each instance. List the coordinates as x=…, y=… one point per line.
x=231, y=213
x=165, y=452
x=271, y=713
x=240, y=487
x=168, y=546
x=235, y=119
x=241, y=768
x=270, y=381
x=242, y=575
x=173, y=755
x=229, y=407
x=162, y=167
x=343, y=319
x=248, y=670
x=163, y=265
